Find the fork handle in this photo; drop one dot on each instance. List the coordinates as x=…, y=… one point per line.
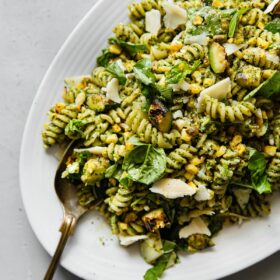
x=66, y=229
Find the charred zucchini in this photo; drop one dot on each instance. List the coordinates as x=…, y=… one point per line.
x=160, y=116
x=217, y=57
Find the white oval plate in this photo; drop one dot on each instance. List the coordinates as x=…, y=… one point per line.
x=93, y=253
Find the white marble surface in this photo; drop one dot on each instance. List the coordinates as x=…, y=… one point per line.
x=31, y=33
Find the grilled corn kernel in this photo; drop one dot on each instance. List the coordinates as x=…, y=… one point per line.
x=270, y=150
x=262, y=43
x=217, y=4
x=115, y=49
x=237, y=139
x=221, y=151
x=192, y=169
x=197, y=20
x=240, y=149
x=116, y=128
x=185, y=136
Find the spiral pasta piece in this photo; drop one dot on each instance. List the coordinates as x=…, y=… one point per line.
x=125, y=33
x=273, y=171
x=138, y=10
x=255, y=16
x=121, y=201
x=138, y=123
x=190, y=52
x=238, y=111
x=261, y=58
x=179, y=157
x=101, y=77
x=60, y=116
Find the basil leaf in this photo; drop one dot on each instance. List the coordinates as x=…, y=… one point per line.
x=134, y=140
x=161, y=264
x=216, y=223
x=74, y=129
x=268, y=89
x=234, y=21
x=116, y=70
x=165, y=93
x=112, y=170
x=104, y=58
x=168, y=246
x=132, y=49
x=143, y=72
x=273, y=26
x=180, y=71
x=145, y=164
x=261, y=185
x=257, y=166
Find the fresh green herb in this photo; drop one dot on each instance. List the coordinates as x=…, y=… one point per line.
x=112, y=170
x=257, y=166
x=143, y=72
x=160, y=266
x=132, y=49
x=104, y=58
x=274, y=26
x=216, y=223
x=145, y=164
x=168, y=246
x=180, y=71
x=268, y=89
x=116, y=70
x=235, y=20
x=74, y=129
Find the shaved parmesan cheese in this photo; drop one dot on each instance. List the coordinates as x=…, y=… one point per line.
x=177, y=114
x=200, y=39
x=203, y=194
x=153, y=21
x=197, y=226
x=129, y=240
x=219, y=91
x=242, y=196
x=112, y=90
x=182, y=85
x=271, y=6
x=232, y=48
x=175, y=15
x=172, y=188
x=272, y=58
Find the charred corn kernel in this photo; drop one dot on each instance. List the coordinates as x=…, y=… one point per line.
x=128, y=146
x=252, y=41
x=237, y=139
x=208, y=82
x=262, y=43
x=270, y=150
x=192, y=169
x=240, y=149
x=115, y=49
x=192, y=184
x=260, y=25
x=113, y=181
x=113, y=138
x=195, y=88
x=59, y=106
x=197, y=161
x=267, y=73
x=116, y=128
x=197, y=20
x=221, y=151
x=264, y=115
x=189, y=176
x=217, y=4
x=122, y=226
x=185, y=136
x=175, y=47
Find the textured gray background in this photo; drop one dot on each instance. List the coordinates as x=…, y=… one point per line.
x=31, y=32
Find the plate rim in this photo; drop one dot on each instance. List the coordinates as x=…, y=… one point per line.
x=24, y=139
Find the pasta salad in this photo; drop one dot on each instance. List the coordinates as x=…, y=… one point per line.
x=178, y=125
